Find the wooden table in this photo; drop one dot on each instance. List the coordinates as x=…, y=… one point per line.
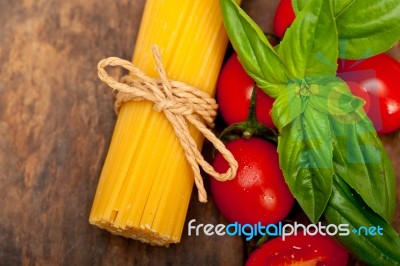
x=56, y=121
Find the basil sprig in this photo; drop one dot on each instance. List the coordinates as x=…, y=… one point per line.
x=365, y=27
x=323, y=128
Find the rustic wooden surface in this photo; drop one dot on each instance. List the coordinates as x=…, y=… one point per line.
x=56, y=120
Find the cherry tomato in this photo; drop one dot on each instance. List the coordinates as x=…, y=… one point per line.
x=284, y=16
x=258, y=193
x=379, y=78
x=300, y=249
x=234, y=89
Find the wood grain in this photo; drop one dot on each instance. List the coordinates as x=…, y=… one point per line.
x=56, y=121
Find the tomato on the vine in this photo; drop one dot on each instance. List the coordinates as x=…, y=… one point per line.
x=300, y=249
x=258, y=193
x=284, y=16
x=379, y=78
x=234, y=89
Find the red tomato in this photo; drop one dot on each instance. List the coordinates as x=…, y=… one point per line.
x=284, y=16
x=234, y=89
x=300, y=249
x=379, y=77
x=258, y=193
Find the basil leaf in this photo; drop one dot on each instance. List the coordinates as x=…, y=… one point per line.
x=365, y=27
x=255, y=53
x=335, y=98
x=309, y=47
x=339, y=6
x=298, y=5
x=368, y=27
x=358, y=154
x=287, y=106
x=346, y=208
x=306, y=161
x=361, y=160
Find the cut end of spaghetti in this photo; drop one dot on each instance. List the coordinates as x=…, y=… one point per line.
x=144, y=234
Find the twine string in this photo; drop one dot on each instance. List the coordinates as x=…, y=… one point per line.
x=181, y=103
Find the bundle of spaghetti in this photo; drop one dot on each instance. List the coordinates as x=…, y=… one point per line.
x=146, y=182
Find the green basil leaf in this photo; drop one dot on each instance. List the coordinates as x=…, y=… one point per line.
x=368, y=27
x=298, y=5
x=287, y=106
x=309, y=47
x=335, y=98
x=273, y=90
x=346, y=208
x=360, y=159
x=365, y=27
x=306, y=161
x=256, y=54
x=339, y=6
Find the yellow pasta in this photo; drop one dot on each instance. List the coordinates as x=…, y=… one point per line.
x=146, y=182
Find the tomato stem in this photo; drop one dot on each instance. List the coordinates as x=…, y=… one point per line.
x=251, y=127
x=262, y=240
